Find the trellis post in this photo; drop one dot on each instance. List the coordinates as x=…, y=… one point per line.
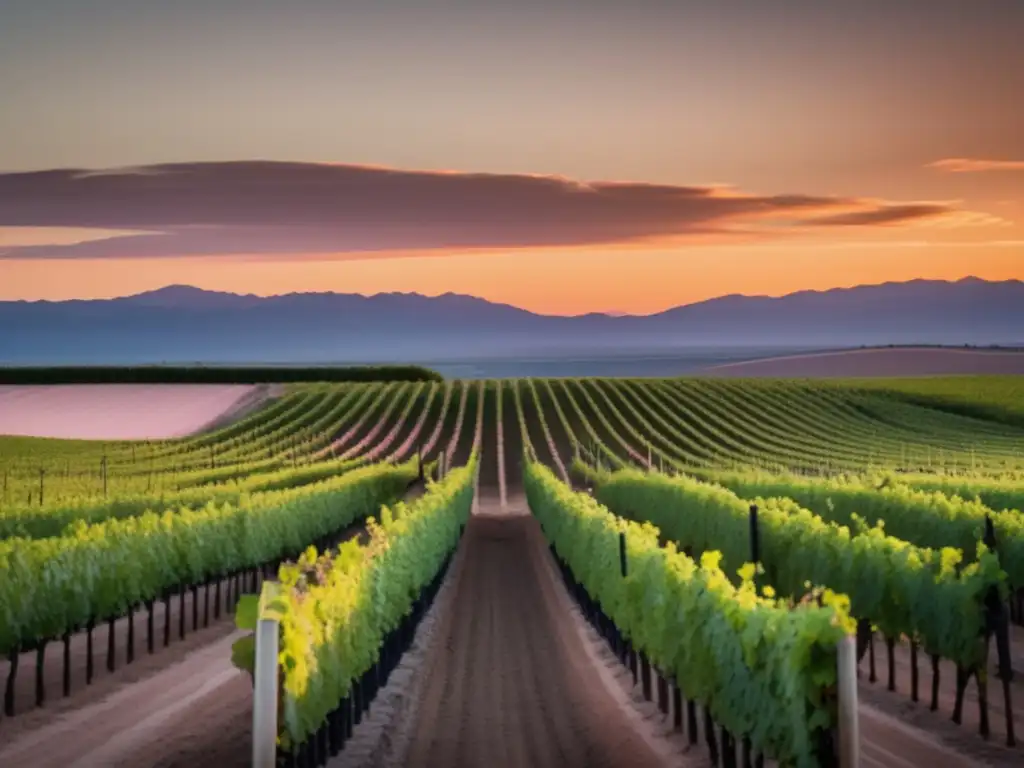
x=264, y=705
x=849, y=725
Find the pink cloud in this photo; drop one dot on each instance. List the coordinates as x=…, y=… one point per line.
x=209, y=209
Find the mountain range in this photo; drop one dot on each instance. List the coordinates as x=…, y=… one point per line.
x=182, y=324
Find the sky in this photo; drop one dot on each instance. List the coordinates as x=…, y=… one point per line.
x=564, y=157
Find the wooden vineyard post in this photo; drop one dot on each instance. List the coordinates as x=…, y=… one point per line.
x=40, y=678
x=628, y=652
x=67, y=663
x=42, y=476
x=103, y=471
x=621, y=650
x=849, y=725
x=997, y=623
x=755, y=540
x=622, y=553
x=264, y=705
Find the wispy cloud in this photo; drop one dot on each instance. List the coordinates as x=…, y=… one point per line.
x=975, y=165
x=929, y=244
x=885, y=216
x=32, y=236
x=256, y=208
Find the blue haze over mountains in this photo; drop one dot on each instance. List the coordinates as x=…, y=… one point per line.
x=181, y=324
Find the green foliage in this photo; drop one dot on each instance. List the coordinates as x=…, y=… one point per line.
x=243, y=653
x=765, y=668
x=52, y=520
x=925, y=518
x=271, y=603
x=336, y=608
x=1001, y=494
x=94, y=572
x=995, y=398
x=901, y=588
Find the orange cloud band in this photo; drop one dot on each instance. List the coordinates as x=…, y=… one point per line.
x=973, y=165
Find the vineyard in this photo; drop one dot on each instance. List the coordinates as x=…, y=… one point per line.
x=726, y=546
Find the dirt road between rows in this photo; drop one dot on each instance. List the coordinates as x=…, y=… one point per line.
x=194, y=713
x=508, y=682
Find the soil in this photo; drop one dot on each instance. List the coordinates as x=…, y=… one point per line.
x=192, y=713
x=489, y=437
x=507, y=683
x=464, y=430
x=512, y=447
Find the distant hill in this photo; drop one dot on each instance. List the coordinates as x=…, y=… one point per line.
x=182, y=324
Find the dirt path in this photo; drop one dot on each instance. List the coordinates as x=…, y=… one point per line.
x=194, y=713
x=885, y=742
x=509, y=683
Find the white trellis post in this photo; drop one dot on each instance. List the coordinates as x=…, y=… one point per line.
x=264, y=705
x=849, y=726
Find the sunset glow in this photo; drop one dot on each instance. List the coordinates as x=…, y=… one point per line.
x=639, y=281
x=560, y=161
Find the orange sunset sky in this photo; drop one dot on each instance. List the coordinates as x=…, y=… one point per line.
x=565, y=157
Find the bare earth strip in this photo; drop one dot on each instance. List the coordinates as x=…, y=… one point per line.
x=118, y=411
x=509, y=684
x=909, y=361
x=157, y=721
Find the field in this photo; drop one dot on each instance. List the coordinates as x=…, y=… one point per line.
x=487, y=612
x=881, y=363
x=120, y=411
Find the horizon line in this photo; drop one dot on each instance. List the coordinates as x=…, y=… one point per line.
x=605, y=313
